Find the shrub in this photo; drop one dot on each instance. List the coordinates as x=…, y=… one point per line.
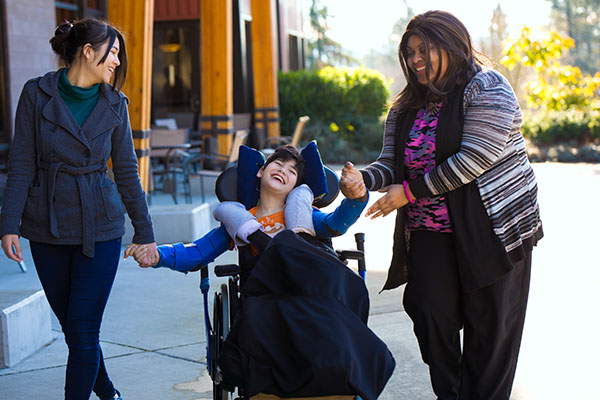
x=553, y=127
x=335, y=148
x=345, y=107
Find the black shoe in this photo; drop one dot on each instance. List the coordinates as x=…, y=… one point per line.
x=116, y=396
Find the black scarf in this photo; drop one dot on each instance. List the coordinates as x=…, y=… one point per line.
x=481, y=256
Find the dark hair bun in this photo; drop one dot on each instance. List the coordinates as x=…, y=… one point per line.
x=63, y=28
x=60, y=40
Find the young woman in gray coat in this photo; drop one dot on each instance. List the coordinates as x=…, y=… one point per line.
x=59, y=196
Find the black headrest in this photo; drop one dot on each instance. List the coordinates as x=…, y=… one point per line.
x=226, y=187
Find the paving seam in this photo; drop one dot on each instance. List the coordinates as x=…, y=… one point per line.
x=179, y=358
x=32, y=370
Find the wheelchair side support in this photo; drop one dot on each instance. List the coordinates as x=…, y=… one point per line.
x=358, y=254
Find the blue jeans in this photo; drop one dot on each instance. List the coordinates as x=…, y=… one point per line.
x=77, y=288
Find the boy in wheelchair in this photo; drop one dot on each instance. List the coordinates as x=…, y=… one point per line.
x=284, y=203
x=302, y=328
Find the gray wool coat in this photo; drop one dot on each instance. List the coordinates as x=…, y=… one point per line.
x=58, y=191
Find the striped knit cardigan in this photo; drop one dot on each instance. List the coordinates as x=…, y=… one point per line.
x=491, y=159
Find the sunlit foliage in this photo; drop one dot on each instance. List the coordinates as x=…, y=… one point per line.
x=555, y=86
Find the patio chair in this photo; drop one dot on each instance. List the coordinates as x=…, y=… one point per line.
x=163, y=145
x=191, y=164
x=271, y=143
x=168, y=123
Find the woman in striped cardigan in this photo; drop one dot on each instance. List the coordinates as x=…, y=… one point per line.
x=454, y=167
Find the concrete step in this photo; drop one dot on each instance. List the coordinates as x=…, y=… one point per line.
x=181, y=222
x=176, y=223
x=25, y=325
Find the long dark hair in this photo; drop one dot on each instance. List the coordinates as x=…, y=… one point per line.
x=70, y=37
x=445, y=32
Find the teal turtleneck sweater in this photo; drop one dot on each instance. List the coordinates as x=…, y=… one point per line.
x=80, y=101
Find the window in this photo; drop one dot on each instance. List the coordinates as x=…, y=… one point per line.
x=75, y=9
x=242, y=64
x=176, y=70
x=295, y=53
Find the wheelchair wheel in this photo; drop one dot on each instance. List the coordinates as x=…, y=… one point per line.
x=221, y=330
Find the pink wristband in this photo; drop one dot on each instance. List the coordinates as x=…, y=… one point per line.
x=410, y=200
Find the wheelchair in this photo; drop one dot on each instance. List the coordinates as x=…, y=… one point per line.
x=227, y=299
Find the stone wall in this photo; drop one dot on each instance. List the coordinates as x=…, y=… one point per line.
x=29, y=26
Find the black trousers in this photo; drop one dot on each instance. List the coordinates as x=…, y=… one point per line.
x=491, y=318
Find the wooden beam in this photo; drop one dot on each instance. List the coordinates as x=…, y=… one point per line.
x=264, y=61
x=134, y=19
x=216, y=60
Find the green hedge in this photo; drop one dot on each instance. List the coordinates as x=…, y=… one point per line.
x=562, y=136
x=555, y=127
x=345, y=107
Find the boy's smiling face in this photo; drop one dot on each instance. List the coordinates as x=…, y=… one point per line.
x=279, y=176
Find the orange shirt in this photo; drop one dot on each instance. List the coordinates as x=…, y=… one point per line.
x=273, y=223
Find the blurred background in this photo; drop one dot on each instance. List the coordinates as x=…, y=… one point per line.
x=548, y=49
x=267, y=63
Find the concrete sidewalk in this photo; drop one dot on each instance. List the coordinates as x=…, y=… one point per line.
x=154, y=343
x=153, y=330
x=153, y=334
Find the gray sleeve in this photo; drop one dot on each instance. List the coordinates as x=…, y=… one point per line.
x=125, y=168
x=382, y=172
x=21, y=163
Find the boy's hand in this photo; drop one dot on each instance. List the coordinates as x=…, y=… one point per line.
x=353, y=189
x=352, y=184
x=349, y=171
x=146, y=255
x=140, y=255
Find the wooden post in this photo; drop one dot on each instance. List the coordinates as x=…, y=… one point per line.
x=134, y=19
x=216, y=60
x=264, y=61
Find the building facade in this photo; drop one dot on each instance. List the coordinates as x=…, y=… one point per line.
x=213, y=63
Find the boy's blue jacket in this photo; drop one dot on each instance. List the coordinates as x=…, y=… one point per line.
x=201, y=252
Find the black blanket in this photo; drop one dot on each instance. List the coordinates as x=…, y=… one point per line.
x=302, y=330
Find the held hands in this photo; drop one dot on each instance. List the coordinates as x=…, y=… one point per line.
x=394, y=198
x=146, y=255
x=352, y=184
x=14, y=253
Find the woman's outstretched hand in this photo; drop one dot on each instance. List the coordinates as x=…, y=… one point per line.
x=394, y=198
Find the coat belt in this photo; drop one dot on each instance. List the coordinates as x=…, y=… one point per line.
x=87, y=206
